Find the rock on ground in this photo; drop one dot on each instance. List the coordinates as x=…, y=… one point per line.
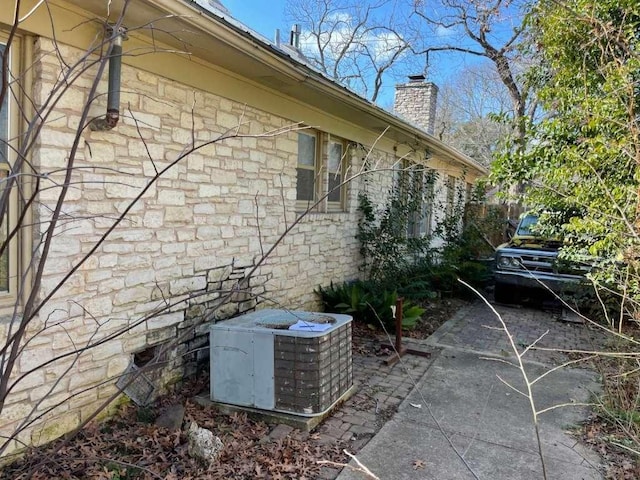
x=203, y=444
x=171, y=418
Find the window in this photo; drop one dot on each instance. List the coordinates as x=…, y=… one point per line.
x=306, y=190
x=4, y=170
x=335, y=168
x=451, y=194
x=8, y=136
x=421, y=200
x=320, y=169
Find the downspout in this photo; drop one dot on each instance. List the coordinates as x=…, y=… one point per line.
x=110, y=120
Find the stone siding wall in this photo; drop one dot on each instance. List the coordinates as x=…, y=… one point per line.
x=190, y=239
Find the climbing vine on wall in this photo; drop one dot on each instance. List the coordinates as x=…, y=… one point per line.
x=389, y=235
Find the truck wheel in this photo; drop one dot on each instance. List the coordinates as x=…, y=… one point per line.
x=502, y=293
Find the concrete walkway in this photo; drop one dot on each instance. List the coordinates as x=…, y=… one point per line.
x=462, y=422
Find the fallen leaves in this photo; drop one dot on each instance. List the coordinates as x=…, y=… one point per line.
x=619, y=464
x=124, y=447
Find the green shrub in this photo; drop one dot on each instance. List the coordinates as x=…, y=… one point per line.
x=368, y=302
x=401, y=261
x=444, y=278
x=474, y=272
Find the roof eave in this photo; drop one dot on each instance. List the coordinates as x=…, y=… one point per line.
x=298, y=77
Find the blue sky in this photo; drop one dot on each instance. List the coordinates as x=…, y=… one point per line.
x=265, y=16
x=260, y=15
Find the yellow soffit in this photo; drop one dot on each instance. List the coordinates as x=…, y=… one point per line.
x=183, y=25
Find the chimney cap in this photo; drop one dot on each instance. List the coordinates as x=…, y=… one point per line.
x=417, y=78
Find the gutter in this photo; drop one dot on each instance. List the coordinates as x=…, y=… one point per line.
x=314, y=79
x=262, y=50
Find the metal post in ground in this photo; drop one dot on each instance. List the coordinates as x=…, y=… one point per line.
x=399, y=350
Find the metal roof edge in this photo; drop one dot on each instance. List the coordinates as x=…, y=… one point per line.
x=283, y=62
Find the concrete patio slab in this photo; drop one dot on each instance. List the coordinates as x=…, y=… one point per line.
x=462, y=421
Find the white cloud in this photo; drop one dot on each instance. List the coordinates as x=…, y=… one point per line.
x=442, y=31
x=340, y=34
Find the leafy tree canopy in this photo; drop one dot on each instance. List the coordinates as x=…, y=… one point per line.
x=584, y=155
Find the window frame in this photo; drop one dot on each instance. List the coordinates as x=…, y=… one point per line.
x=322, y=173
x=419, y=223
x=9, y=297
x=304, y=204
x=469, y=191
x=451, y=194
x=339, y=205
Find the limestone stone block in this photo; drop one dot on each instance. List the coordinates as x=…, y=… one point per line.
x=203, y=444
x=178, y=214
x=219, y=274
x=139, y=277
x=227, y=120
x=131, y=295
x=171, y=197
x=207, y=191
x=127, y=188
x=208, y=232
x=128, y=262
x=143, y=120
x=153, y=247
x=57, y=138
x=118, y=365
x=160, y=335
x=195, y=162
x=32, y=380
x=171, y=248
x=186, y=235
x=135, y=235
x=54, y=428
x=15, y=412
x=164, y=261
x=106, y=350
x=153, y=219
x=165, y=320
x=182, y=136
x=169, y=273
x=187, y=285
x=87, y=378
x=32, y=358
x=112, y=285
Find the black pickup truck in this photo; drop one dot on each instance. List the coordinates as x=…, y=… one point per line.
x=530, y=261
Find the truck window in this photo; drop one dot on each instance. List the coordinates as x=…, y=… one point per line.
x=526, y=223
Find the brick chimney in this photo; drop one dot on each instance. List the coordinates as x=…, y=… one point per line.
x=415, y=102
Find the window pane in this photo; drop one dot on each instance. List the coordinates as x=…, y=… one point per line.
x=4, y=118
x=451, y=185
x=335, y=156
x=334, y=181
x=4, y=230
x=306, y=181
x=4, y=159
x=306, y=149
